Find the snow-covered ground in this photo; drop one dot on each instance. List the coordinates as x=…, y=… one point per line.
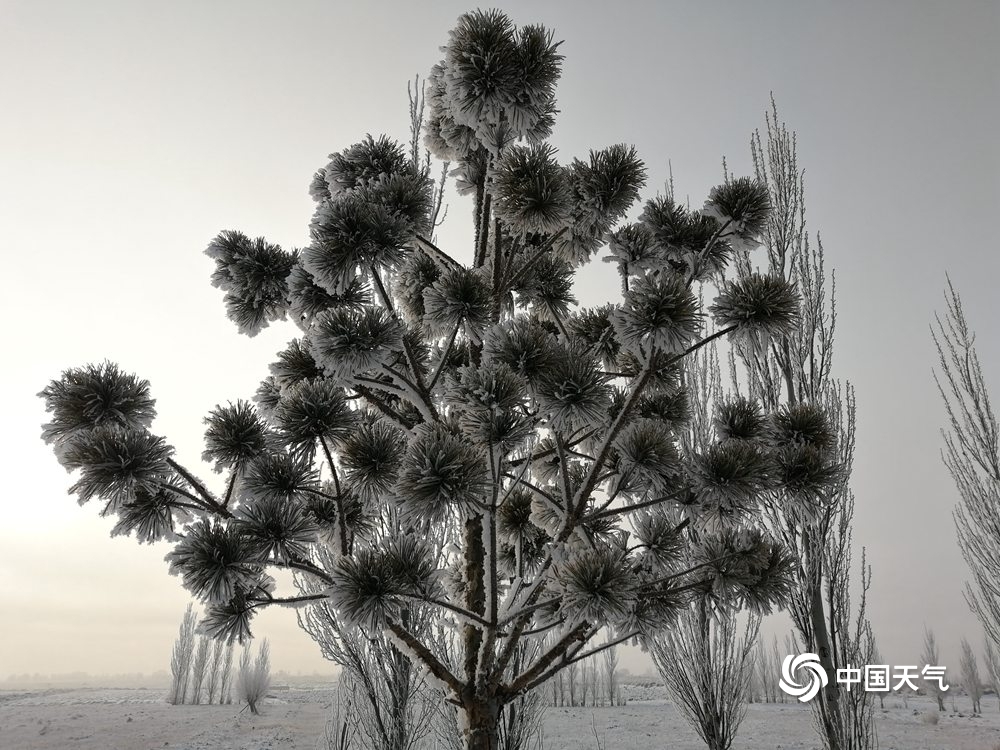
x=130, y=719
x=295, y=719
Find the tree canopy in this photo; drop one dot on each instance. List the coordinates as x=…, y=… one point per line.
x=449, y=435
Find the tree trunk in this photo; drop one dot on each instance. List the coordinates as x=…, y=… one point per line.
x=483, y=731
x=475, y=594
x=821, y=636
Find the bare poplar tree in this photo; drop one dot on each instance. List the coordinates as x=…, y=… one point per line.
x=755, y=694
x=226, y=680
x=765, y=672
x=972, y=455
x=592, y=679
x=930, y=656
x=611, y=674
x=572, y=671
x=180, y=662
x=792, y=374
x=992, y=666
x=877, y=659
x=214, y=671
x=971, y=680
x=244, y=669
x=199, y=666
x=707, y=660
x=776, y=657
x=852, y=638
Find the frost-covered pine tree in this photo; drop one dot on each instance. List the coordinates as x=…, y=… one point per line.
x=463, y=393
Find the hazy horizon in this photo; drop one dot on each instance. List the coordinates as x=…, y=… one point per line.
x=136, y=132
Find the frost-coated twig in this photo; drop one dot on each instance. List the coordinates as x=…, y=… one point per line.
x=438, y=254
x=537, y=256
x=338, y=500
x=208, y=497
x=445, y=353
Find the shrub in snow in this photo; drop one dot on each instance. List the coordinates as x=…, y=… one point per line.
x=254, y=676
x=929, y=655
x=971, y=680
x=450, y=438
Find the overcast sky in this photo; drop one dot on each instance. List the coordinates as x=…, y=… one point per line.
x=132, y=133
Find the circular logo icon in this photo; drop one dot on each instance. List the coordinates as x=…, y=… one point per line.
x=816, y=676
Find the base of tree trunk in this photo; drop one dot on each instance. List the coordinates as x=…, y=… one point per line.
x=483, y=729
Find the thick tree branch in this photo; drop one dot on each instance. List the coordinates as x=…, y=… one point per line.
x=338, y=500
x=523, y=682
x=610, y=512
x=444, y=358
x=266, y=602
x=537, y=256
x=409, y=644
x=207, y=496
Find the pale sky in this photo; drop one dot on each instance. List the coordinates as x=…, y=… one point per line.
x=132, y=133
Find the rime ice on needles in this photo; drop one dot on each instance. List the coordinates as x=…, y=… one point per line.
x=94, y=395
x=472, y=403
x=659, y=312
x=254, y=275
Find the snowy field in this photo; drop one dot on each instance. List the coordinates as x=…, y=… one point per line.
x=295, y=719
